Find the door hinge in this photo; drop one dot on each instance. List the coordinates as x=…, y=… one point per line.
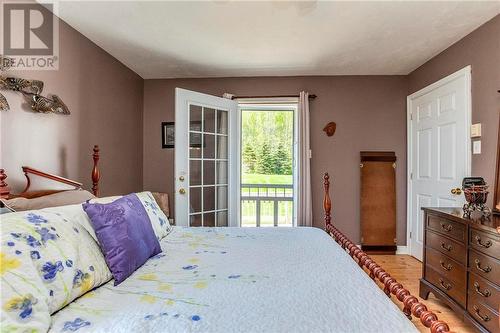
x=362, y=239
x=411, y=115
x=410, y=234
x=411, y=175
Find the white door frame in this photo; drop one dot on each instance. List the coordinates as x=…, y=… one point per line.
x=181, y=168
x=466, y=71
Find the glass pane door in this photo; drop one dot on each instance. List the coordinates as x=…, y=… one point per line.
x=208, y=159
x=203, y=159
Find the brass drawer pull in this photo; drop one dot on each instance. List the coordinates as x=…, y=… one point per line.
x=446, y=227
x=487, y=269
x=485, y=293
x=445, y=267
x=483, y=318
x=446, y=247
x=446, y=286
x=479, y=242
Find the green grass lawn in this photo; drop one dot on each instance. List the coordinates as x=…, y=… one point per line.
x=266, y=179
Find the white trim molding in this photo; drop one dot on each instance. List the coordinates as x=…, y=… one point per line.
x=402, y=249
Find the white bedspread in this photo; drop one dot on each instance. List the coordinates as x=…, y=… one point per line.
x=240, y=280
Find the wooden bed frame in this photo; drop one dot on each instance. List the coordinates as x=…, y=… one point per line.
x=411, y=304
x=5, y=191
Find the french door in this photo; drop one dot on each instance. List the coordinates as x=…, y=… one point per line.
x=438, y=150
x=206, y=160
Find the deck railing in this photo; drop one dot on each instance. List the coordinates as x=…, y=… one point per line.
x=267, y=205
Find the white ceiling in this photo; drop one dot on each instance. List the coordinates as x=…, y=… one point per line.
x=165, y=39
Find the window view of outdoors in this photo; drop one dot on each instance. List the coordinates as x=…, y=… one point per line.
x=267, y=168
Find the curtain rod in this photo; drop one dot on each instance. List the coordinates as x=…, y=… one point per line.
x=312, y=96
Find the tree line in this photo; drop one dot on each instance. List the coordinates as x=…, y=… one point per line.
x=267, y=142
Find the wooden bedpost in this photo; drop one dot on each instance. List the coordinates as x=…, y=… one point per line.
x=96, y=175
x=327, y=203
x=4, y=187
x=411, y=304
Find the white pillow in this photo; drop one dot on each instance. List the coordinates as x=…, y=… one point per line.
x=159, y=220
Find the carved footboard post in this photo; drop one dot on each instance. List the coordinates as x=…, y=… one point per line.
x=4, y=187
x=96, y=175
x=411, y=304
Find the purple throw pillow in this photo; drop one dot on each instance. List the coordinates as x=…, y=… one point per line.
x=125, y=234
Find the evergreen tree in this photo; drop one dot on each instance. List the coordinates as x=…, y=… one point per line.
x=265, y=161
x=282, y=161
x=249, y=159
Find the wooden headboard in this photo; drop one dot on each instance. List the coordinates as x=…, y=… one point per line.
x=5, y=191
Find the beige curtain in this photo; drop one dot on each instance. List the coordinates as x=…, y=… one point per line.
x=304, y=206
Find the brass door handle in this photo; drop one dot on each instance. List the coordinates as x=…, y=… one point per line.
x=182, y=191
x=181, y=178
x=485, y=293
x=487, y=269
x=456, y=191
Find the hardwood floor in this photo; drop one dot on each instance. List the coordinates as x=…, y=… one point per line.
x=408, y=271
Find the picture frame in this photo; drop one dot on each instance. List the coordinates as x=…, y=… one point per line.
x=168, y=134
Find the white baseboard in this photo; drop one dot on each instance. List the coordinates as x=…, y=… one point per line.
x=402, y=249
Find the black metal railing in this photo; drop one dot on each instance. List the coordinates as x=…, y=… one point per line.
x=266, y=204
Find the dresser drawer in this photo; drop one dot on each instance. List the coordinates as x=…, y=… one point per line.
x=449, y=228
x=485, y=291
x=485, y=266
x=483, y=314
x=452, y=289
x=451, y=248
x=441, y=263
x=485, y=242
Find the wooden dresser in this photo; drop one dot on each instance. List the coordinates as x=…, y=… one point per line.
x=461, y=265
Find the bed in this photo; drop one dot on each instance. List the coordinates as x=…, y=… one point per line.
x=221, y=280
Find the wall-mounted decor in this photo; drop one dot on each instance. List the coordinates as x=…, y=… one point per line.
x=168, y=134
x=31, y=90
x=330, y=128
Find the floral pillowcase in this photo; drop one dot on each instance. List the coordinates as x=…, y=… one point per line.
x=47, y=260
x=158, y=219
x=49, y=257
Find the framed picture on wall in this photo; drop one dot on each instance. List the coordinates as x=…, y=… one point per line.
x=168, y=134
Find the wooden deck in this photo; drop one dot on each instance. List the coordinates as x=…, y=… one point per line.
x=408, y=271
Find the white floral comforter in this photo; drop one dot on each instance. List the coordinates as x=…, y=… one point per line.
x=239, y=280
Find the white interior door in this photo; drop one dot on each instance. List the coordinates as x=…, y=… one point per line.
x=206, y=160
x=438, y=149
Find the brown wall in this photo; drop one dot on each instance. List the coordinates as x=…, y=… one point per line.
x=369, y=112
x=481, y=50
x=105, y=99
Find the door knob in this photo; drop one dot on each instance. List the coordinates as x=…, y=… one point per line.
x=456, y=191
x=182, y=191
